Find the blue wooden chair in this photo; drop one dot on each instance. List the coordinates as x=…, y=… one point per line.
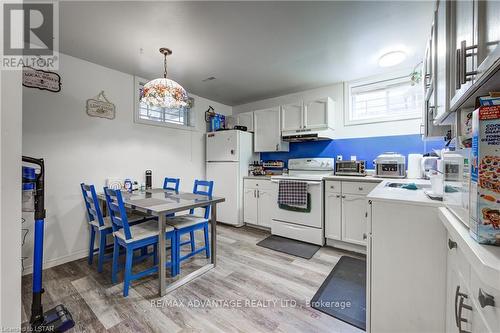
x=99, y=225
x=189, y=223
x=133, y=237
x=175, y=184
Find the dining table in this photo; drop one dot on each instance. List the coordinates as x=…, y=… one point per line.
x=159, y=202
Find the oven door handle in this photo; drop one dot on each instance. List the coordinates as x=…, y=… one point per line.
x=308, y=182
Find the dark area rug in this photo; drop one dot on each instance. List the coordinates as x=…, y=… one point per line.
x=343, y=294
x=290, y=246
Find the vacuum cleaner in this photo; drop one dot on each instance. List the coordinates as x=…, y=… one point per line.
x=58, y=319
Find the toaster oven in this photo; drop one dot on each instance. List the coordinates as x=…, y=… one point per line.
x=350, y=168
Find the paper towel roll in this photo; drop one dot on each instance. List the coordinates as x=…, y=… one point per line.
x=414, y=166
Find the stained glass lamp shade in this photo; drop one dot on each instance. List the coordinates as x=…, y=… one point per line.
x=164, y=92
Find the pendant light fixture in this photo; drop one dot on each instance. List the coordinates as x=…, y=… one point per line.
x=164, y=92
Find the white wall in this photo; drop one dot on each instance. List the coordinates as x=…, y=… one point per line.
x=78, y=148
x=10, y=200
x=336, y=92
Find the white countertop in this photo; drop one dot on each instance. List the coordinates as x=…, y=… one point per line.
x=418, y=197
x=485, y=259
x=368, y=179
x=258, y=177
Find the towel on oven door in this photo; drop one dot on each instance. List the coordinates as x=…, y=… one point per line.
x=292, y=193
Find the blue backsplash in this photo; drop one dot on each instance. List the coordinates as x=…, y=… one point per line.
x=363, y=148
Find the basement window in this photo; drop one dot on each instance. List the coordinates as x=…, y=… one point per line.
x=382, y=100
x=158, y=116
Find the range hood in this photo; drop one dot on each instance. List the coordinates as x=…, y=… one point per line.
x=307, y=135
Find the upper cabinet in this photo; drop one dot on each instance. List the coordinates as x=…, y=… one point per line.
x=245, y=119
x=292, y=116
x=475, y=54
x=303, y=116
x=267, y=129
x=463, y=36
x=318, y=113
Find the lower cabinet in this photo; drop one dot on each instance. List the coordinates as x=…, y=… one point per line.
x=471, y=305
x=259, y=201
x=346, y=211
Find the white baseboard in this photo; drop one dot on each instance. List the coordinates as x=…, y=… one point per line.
x=346, y=246
x=58, y=261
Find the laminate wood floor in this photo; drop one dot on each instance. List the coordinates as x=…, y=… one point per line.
x=252, y=289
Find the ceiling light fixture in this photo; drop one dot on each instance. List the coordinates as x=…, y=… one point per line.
x=391, y=58
x=164, y=92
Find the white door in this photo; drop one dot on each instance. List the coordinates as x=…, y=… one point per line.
x=227, y=185
x=316, y=113
x=267, y=204
x=291, y=116
x=250, y=205
x=267, y=130
x=222, y=146
x=333, y=215
x=246, y=119
x=354, y=214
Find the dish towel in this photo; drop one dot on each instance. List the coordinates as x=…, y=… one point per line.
x=292, y=193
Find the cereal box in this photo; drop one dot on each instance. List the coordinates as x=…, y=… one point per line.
x=485, y=176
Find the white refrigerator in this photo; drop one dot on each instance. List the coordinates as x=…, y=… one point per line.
x=228, y=155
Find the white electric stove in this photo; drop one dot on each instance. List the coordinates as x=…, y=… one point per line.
x=307, y=226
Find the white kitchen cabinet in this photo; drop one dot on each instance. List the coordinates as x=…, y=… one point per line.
x=318, y=113
x=309, y=115
x=267, y=129
x=260, y=197
x=245, y=119
x=346, y=210
x=407, y=278
x=488, y=29
x=292, y=116
x=354, y=213
x=250, y=205
x=266, y=204
x=463, y=30
x=333, y=215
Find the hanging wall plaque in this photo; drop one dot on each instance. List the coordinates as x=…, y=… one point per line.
x=100, y=107
x=40, y=79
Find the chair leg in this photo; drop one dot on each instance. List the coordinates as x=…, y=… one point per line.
x=155, y=254
x=191, y=239
x=176, y=248
x=91, y=245
x=128, y=271
x=116, y=256
x=207, y=242
x=102, y=250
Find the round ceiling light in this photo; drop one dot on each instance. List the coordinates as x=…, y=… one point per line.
x=391, y=58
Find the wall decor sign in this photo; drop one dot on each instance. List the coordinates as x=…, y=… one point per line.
x=40, y=79
x=100, y=107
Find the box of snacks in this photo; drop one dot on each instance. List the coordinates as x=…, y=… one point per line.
x=485, y=175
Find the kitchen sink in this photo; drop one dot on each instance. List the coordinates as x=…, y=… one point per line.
x=400, y=185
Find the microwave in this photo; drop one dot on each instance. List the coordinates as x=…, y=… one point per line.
x=350, y=168
x=456, y=170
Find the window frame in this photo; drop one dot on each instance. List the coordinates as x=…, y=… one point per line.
x=399, y=76
x=138, y=81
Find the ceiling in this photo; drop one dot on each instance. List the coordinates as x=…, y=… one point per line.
x=255, y=50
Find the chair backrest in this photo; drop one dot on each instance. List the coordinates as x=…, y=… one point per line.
x=208, y=186
x=92, y=205
x=175, y=184
x=117, y=211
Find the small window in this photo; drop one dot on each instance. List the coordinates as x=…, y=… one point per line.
x=383, y=100
x=145, y=114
